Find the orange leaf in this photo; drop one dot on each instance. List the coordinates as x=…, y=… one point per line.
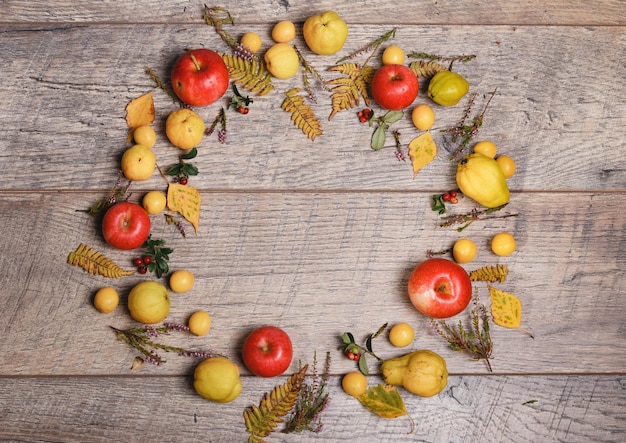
x=422, y=150
x=506, y=308
x=139, y=112
x=185, y=200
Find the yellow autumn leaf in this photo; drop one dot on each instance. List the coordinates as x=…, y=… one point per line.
x=185, y=200
x=506, y=308
x=139, y=112
x=383, y=400
x=422, y=150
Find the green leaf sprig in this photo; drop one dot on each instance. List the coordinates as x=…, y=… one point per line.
x=382, y=125
x=350, y=346
x=160, y=256
x=182, y=168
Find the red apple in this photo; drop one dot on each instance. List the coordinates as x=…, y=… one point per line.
x=267, y=351
x=126, y=225
x=440, y=288
x=394, y=87
x=199, y=77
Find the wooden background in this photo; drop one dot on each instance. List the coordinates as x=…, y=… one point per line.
x=315, y=237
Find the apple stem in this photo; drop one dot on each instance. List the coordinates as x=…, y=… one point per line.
x=195, y=62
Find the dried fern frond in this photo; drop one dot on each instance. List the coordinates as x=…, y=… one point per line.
x=302, y=114
x=426, y=68
x=492, y=274
x=251, y=75
x=261, y=421
x=95, y=263
x=346, y=90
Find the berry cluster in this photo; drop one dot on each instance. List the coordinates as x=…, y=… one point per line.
x=142, y=263
x=352, y=354
x=365, y=115
x=450, y=196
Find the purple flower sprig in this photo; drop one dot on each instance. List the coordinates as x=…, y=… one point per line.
x=142, y=339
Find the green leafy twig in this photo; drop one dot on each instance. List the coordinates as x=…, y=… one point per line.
x=163, y=86
x=371, y=46
x=217, y=16
x=142, y=339
x=160, y=256
x=220, y=120
x=467, y=132
x=183, y=169
x=357, y=352
x=312, y=401
x=441, y=58
x=382, y=125
x=118, y=193
x=239, y=101
x=472, y=216
x=475, y=341
x=308, y=71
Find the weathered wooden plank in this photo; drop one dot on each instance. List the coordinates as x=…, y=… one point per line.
x=604, y=12
x=64, y=89
x=317, y=264
x=472, y=408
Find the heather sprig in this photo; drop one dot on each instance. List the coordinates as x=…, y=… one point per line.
x=118, y=193
x=142, y=339
x=221, y=121
x=312, y=401
x=475, y=214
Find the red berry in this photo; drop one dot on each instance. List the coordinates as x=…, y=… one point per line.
x=445, y=197
x=367, y=112
x=241, y=109
x=246, y=110
x=363, y=119
x=146, y=260
x=137, y=261
x=183, y=180
x=454, y=200
x=452, y=194
x=356, y=357
x=359, y=114
x=142, y=269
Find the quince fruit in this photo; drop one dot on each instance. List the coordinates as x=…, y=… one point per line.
x=217, y=379
x=446, y=88
x=149, y=302
x=422, y=373
x=282, y=61
x=480, y=178
x=184, y=128
x=325, y=33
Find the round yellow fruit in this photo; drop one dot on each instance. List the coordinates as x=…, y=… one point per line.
x=282, y=61
x=149, y=302
x=393, y=55
x=507, y=164
x=106, y=300
x=480, y=178
x=325, y=33
x=486, y=147
x=138, y=163
x=446, y=88
x=145, y=135
x=154, y=202
x=423, y=117
x=199, y=323
x=401, y=335
x=464, y=250
x=503, y=244
x=217, y=379
x=252, y=41
x=354, y=383
x=181, y=281
x=284, y=31
x=184, y=128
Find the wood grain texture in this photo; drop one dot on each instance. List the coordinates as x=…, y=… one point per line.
x=316, y=237
x=319, y=264
x=146, y=409
x=450, y=12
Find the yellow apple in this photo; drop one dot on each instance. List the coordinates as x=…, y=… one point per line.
x=149, y=302
x=325, y=33
x=184, y=128
x=138, y=163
